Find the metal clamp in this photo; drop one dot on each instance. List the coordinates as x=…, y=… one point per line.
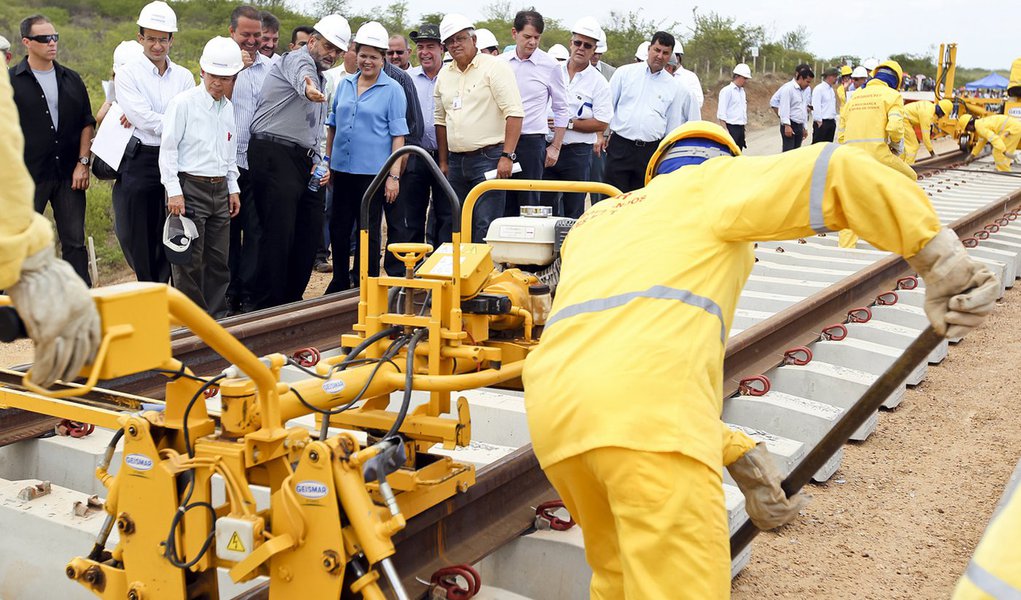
x=798, y=355
x=970, y=242
x=992, y=227
x=981, y=235
x=779, y=249
x=835, y=332
x=862, y=314
x=887, y=298
x=1002, y=221
x=907, y=283
x=546, y=519
x=73, y=429
x=445, y=584
x=756, y=385
x=307, y=357
x=1011, y=216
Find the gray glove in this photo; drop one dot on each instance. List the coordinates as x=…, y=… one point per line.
x=959, y=291
x=897, y=147
x=1010, y=155
x=759, y=479
x=59, y=316
x=970, y=159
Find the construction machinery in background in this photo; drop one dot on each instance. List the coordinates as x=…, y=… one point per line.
x=977, y=107
x=462, y=317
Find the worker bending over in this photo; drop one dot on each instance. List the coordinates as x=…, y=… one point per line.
x=921, y=115
x=624, y=393
x=999, y=131
x=50, y=298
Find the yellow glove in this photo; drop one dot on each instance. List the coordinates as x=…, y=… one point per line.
x=959, y=291
x=59, y=316
x=759, y=480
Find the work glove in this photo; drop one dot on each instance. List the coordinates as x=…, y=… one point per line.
x=897, y=147
x=59, y=316
x=970, y=159
x=959, y=291
x=765, y=502
x=1010, y=155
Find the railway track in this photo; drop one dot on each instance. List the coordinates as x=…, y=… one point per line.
x=781, y=375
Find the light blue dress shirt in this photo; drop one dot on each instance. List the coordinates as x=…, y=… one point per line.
x=647, y=105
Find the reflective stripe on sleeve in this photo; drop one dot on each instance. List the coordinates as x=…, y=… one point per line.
x=991, y=584
x=656, y=292
x=866, y=141
x=817, y=190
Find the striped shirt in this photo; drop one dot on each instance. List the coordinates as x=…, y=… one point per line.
x=247, y=91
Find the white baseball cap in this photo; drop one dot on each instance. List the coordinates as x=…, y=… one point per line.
x=178, y=233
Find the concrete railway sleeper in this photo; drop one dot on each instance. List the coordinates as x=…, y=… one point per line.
x=816, y=331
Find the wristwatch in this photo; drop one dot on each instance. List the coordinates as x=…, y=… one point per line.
x=570, y=124
x=85, y=160
x=394, y=177
x=511, y=155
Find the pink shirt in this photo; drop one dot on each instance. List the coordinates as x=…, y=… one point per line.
x=541, y=84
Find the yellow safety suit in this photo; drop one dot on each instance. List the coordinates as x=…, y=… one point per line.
x=995, y=569
x=872, y=120
x=841, y=96
x=23, y=231
x=631, y=359
x=1002, y=133
x=921, y=114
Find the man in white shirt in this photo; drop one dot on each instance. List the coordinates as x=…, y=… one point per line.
x=793, y=108
x=144, y=87
x=246, y=30
x=732, y=109
x=541, y=85
x=824, y=107
x=590, y=110
x=647, y=103
x=198, y=166
x=688, y=78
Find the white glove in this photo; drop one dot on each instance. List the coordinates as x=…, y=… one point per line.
x=959, y=291
x=59, y=316
x=759, y=479
x=1010, y=155
x=897, y=147
x=970, y=159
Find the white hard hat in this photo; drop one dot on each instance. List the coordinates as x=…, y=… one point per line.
x=126, y=52
x=869, y=64
x=859, y=72
x=5, y=45
x=336, y=30
x=447, y=57
x=452, y=23
x=743, y=70
x=559, y=52
x=159, y=16
x=221, y=56
x=601, y=46
x=642, y=53
x=589, y=26
x=678, y=48
x=484, y=38
x=373, y=34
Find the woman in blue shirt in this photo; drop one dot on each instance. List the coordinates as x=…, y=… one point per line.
x=367, y=125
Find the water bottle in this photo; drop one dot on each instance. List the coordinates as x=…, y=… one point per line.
x=319, y=173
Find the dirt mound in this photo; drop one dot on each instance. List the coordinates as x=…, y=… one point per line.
x=758, y=92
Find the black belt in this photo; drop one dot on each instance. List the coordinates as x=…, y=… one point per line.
x=532, y=135
x=148, y=149
x=265, y=137
x=479, y=151
x=635, y=143
x=827, y=119
x=203, y=178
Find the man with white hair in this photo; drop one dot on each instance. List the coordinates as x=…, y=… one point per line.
x=475, y=132
x=5, y=50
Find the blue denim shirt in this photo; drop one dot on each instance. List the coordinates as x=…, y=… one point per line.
x=366, y=125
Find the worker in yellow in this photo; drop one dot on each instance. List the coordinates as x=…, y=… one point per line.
x=1002, y=132
x=873, y=119
x=624, y=392
x=842, y=84
x=920, y=116
x=50, y=298
x=994, y=571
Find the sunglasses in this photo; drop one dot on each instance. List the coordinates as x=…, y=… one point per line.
x=397, y=52
x=581, y=44
x=44, y=39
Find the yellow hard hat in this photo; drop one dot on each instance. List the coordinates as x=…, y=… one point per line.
x=845, y=71
x=962, y=123
x=694, y=129
x=947, y=106
x=890, y=64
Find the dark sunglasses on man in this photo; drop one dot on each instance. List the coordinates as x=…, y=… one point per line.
x=395, y=52
x=581, y=44
x=44, y=39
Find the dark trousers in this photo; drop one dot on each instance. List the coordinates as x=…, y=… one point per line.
x=292, y=218
x=790, y=143
x=69, y=215
x=531, y=155
x=626, y=162
x=574, y=164
x=348, y=191
x=824, y=132
x=323, y=252
x=139, y=210
x=596, y=173
x=244, y=243
x=405, y=218
x=205, y=279
x=737, y=132
x=465, y=171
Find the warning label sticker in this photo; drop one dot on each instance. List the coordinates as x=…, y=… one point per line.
x=235, y=545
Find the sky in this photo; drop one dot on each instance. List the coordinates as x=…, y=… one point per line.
x=985, y=37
